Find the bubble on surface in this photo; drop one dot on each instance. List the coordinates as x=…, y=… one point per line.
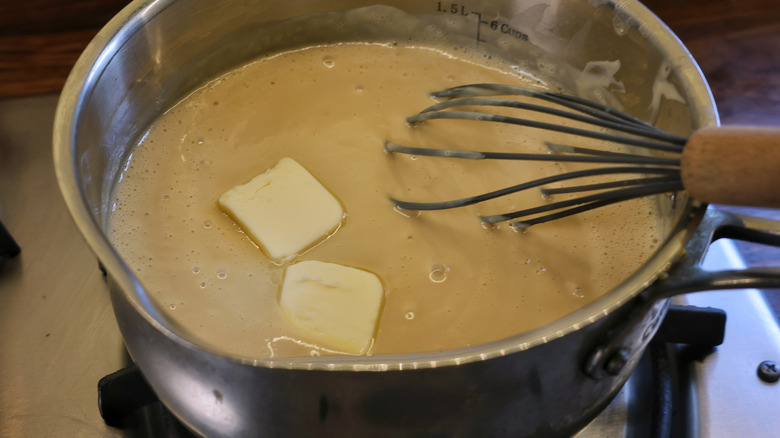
x=438, y=273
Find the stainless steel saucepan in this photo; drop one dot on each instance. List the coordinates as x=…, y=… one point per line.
x=548, y=382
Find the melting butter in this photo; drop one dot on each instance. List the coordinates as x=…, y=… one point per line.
x=285, y=210
x=337, y=305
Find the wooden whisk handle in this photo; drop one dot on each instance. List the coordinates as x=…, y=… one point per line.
x=734, y=165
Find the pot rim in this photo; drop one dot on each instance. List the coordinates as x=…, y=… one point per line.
x=98, y=53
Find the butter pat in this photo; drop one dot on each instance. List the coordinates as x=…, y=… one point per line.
x=338, y=305
x=284, y=210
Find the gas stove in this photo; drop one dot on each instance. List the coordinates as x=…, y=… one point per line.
x=60, y=338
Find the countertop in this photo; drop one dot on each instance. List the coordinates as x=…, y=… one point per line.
x=736, y=43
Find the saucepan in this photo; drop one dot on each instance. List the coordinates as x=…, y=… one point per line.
x=547, y=382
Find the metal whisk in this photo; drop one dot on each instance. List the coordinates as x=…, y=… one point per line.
x=726, y=165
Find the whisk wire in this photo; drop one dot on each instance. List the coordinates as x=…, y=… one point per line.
x=603, y=120
x=607, y=185
x=578, y=155
x=478, y=116
x=573, y=102
x=623, y=129
x=622, y=194
x=471, y=200
x=586, y=207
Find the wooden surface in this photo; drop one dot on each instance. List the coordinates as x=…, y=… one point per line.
x=737, y=46
x=40, y=41
x=736, y=43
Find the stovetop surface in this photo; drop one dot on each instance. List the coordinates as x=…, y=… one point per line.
x=59, y=336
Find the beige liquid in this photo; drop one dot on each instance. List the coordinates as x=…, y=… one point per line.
x=449, y=281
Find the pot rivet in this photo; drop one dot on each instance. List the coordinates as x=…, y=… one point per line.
x=617, y=362
x=769, y=371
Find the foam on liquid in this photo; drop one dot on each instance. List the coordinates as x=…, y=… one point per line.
x=450, y=282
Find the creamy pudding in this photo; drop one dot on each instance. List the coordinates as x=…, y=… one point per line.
x=449, y=282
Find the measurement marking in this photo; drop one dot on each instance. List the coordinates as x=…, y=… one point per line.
x=497, y=25
x=480, y=22
x=453, y=8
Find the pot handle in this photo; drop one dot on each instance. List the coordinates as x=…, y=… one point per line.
x=624, y=342
x=689, y=275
